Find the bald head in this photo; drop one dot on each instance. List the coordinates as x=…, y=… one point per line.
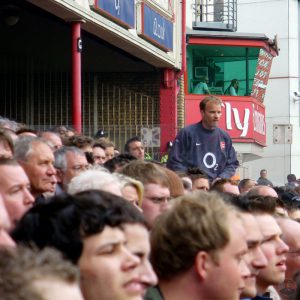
x=262, y=190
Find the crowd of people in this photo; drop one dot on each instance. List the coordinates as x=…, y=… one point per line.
x=80, y=220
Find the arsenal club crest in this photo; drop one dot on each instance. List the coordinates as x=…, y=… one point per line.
x=222, y=145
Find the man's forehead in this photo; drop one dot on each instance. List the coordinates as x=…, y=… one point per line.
x=107, y=236
x=135, y=143
x=98, y=149
x=16, y=170
x=213, y=106
x=252, y=229
x=268, y=225
x=237, y=234
x=290, y=230
x=41, y=150
x=74, y=156
x=156, y=188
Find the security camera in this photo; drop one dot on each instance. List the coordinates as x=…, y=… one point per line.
x=297, y=94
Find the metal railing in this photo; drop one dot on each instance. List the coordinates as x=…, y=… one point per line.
x=215, y=15
x=42, y=100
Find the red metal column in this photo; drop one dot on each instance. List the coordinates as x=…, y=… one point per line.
x=168, y=108
x=169, y=91
x=76, y=76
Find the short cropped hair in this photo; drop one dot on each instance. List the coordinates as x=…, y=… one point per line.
x=291, y=178
x=92, y=180
x=65, y=221
x=79, y=141
x=20, y=268
x=218, y=185
x=105, y=142
x=196, y=173
x=146, y=172
x=60, y=155
x=196, y=222
x=23, y=147
x=209, y=99
x=261, y=204
x=118, y=161
x=243, y=183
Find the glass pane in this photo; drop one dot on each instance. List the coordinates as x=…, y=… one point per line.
x=221, y=70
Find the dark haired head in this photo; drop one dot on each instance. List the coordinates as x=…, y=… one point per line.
x=113, y=209
x=54, y=224
x=118, y=161
x=65, y=221
x=195, y=173
x=261, y=204
x=291, y=178
x=131, y=140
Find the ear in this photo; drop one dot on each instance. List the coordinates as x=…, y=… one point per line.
x=202, y=264
x=201, y=113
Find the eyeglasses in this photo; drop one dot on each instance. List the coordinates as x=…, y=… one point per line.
x=159, y=200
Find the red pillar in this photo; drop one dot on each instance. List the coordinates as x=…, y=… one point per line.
x=169, y=90
x=168, y=108
x=76, y=76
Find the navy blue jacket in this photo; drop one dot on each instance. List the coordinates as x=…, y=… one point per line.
x=209, y=150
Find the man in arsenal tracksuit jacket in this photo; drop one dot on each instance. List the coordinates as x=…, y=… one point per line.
x=205, y=145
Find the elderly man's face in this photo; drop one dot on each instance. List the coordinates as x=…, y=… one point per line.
x=76, y=164
x=39, y=169
x=54, y=138
x=15, y=190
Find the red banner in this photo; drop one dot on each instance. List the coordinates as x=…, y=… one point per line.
x=242, y=117
x=262, y=73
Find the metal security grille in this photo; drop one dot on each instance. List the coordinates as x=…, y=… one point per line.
x=43, y=100
x=120, y=112
x=38, y=99
x=215, y=14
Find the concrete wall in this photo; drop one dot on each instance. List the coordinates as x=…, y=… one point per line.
x=277, y=18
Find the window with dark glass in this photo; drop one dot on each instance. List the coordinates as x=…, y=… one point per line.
x=221, y=70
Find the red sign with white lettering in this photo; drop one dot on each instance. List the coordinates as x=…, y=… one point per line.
x=242, y=117
x=262, y=73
